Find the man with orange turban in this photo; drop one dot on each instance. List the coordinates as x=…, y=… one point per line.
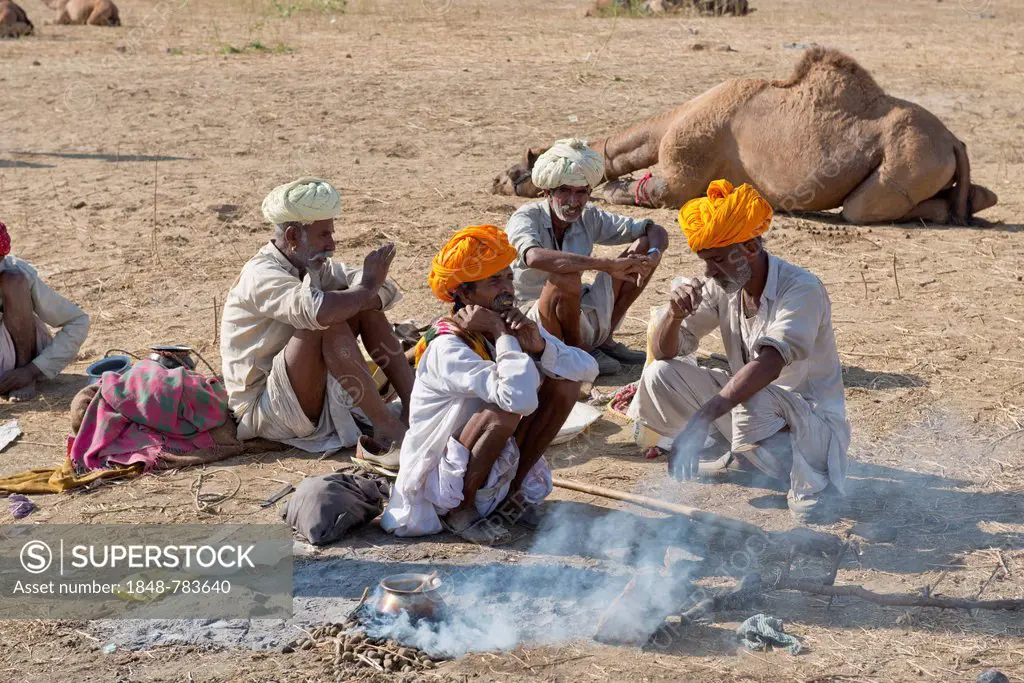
x=472, y=459
x=781, y=409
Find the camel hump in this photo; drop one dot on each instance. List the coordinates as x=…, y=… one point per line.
x=836, y=78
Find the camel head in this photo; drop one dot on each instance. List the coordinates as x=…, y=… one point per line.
x=516, y=181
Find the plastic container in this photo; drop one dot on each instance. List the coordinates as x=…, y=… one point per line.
x=118, y=364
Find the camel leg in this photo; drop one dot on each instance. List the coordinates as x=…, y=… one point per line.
x=647, y=191
x=634, y=150
x=100, y=17
x=877, y=201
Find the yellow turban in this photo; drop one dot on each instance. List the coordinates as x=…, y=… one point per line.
x=726, y=216
x=473, y=253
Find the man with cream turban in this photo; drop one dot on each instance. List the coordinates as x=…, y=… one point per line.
x=472, y=461
x=28, y=352
x=555, y=239
x=292, y=366
x=781, y=409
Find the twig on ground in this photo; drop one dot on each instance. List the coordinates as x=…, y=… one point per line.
x=369, y=661
x=156, y=184
x=897, y=599
x=216, y=328
x=999, y=556
x=896, y=277
x=864, y=280
x=561, y=661
x=204, y=504
x=991, y=576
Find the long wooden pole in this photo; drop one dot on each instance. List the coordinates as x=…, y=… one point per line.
x=693, y=513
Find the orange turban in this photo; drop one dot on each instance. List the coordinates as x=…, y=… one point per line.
x=726, y=216
x=473, y=253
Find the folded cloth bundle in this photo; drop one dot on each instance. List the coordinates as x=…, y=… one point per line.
x=760, y=631
x=324, y=509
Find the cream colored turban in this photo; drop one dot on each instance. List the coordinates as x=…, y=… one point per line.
x=568, y=162
x=302, y=201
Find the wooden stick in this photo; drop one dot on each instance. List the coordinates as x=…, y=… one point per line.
x=862, y=279
x=156, y=184
x=896, y=277
x=216, y=327
x=695, y=514
x=897, y=599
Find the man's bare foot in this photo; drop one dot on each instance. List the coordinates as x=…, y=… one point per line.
x=389, y=435
x=26, y=393
x=470, y=526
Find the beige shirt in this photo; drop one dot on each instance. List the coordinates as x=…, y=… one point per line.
x=265, y=306
x=795, y=317
x=530, y=226
x=71, y=322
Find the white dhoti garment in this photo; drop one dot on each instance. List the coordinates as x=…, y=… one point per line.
x=444, y=485
x=796, y=442
x=8, y=357
x=596, y=303
x=276, y=415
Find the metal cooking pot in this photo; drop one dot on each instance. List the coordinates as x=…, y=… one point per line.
x=416, y=594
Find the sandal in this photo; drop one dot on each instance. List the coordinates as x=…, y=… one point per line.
x=372, y=456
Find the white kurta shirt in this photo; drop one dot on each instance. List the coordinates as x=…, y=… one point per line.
x=264, y=307
x=794, y=317
x=453, y=383
x=530, y=226
x=52, y=308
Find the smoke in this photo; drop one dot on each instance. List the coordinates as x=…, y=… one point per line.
x=549, y=600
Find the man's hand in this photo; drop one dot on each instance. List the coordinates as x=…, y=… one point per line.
x=18, y=378
x=629, y=268
x=684, y=458
x=684, y=300
x=524, y=330
x=376, y=265
x=652, y=262
x=479, y=319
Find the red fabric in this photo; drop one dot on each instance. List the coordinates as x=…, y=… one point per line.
x=5, y=241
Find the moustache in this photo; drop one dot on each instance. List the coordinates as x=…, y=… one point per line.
x=503, y=302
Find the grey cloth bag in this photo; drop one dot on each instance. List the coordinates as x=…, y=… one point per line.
x=323, y=509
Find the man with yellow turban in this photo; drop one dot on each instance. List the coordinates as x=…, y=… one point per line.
x=472, y=461
x=555, y=240
x=292, y=366
x=781, y=409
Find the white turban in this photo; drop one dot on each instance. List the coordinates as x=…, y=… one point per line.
x=568, y=162
x=302, y=201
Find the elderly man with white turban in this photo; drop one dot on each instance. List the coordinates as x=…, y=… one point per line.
x=555, y=239
x=292, y=367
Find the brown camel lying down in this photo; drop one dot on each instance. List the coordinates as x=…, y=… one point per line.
x=14, y=22
x=828, y=137
x=92, y=12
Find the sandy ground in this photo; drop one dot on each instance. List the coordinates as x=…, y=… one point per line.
x=133, y=161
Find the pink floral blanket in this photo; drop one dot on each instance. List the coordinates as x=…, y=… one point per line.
x=148, y=410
